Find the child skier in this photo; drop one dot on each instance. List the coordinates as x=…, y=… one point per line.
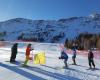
x=65, y=57
x=28, y=49
x=74, y=57
x=90, y=59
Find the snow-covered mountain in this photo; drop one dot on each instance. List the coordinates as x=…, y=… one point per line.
x=49, y=30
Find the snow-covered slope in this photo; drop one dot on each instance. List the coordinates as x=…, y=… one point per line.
x=49, y=30
x=52, y=70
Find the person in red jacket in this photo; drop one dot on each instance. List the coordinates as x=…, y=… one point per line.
x=28, y=49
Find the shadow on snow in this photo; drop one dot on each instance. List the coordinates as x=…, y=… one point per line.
x=21, y=72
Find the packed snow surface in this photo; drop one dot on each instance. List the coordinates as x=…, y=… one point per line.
x=52, y=70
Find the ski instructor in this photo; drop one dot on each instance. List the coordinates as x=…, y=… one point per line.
x=13, y=52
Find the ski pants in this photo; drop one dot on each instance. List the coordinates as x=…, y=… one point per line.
x=27, y=59
x=91, y=61
x=13, y=56
x=65, y=62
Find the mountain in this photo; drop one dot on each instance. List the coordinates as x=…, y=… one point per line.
x=49, y=30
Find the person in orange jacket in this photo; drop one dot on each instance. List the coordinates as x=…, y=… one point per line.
x=28, y=49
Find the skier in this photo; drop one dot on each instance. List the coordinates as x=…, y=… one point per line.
x=65, y=57
x=13, y=52
x=74, y=56
x=90, y=59
x=28, y=49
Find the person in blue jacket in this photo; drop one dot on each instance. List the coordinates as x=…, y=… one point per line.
x=65, y=57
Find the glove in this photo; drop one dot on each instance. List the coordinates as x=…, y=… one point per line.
x=59, y=57
x=30, y=58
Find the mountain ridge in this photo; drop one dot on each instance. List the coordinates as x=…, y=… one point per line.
x=49, y=30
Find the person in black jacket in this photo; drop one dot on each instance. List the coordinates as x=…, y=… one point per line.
x=90, y=59
x=13, y=52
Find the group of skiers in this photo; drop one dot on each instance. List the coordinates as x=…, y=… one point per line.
x=14, y=53
x=64, y=55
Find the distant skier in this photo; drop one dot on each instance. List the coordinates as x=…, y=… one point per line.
x=74, y=56
x=28, y=49
x=13, y=52
x=65, y=57
x=90, y=59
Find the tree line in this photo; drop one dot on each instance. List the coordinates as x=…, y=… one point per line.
x=85, y=41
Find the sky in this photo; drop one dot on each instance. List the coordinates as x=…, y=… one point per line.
x=47, y=9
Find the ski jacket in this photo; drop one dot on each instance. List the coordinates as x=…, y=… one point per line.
x=28, y=49
x=64, y=55
x=14, y=49
x=74, y=53
x=90, y=55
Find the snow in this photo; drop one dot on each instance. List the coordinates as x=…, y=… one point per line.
x=51, y=70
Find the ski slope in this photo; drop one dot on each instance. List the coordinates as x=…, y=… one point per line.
x=52, y=70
